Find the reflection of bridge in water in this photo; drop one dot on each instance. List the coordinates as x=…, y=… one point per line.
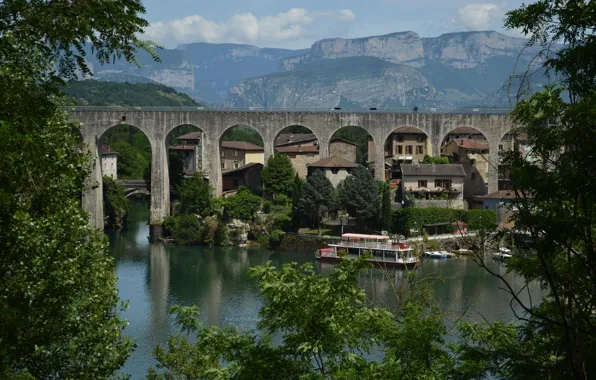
x=157, y=124
x=134, y=186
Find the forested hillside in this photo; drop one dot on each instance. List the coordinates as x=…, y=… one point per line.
x=99, y=93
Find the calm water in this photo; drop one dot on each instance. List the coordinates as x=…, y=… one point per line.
x=153, y=277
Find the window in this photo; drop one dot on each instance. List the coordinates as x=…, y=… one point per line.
x=501, y=147
x=400, y=149
x=422, y=183
x=443, y=183
x=236, y=153
x=236, y=165
x=400, y=138
x=419, y=149
x=409, y=149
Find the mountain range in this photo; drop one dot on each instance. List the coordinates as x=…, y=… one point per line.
x=391, y=71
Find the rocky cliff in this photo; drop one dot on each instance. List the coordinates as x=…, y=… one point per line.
x=452, y=70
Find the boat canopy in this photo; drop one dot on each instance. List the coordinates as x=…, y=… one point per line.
x=364, y=236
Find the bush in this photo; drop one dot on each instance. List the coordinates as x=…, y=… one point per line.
x=196, y=195
x=221, y=237
x=243, y=205
x=407, y=218
x=115, y=204
x=281, y=200
x=275, y=238
x=185, y=229
x=267, y=207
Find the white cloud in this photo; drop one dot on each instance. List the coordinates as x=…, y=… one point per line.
x=280, y=29
x=481, y=16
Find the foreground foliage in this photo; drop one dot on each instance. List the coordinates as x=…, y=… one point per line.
x=326, y=327
x=58, y=300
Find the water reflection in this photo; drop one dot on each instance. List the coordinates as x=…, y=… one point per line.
x=153, y=277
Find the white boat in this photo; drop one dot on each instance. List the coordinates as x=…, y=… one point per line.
x=439, y=254
x=384, y=251
x=502, y=254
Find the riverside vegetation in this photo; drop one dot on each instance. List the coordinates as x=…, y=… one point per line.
x=59, y=310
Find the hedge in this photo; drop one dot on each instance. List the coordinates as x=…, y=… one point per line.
x=410, y=217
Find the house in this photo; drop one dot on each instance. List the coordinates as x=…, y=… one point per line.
x=190, y=146
x=472, y=154
x=303, y=150
x=109, y=162
x=465, y=133
x=235, y=154
x=336, y=168
x=425, y=185
x=499, y=201
x=248, y=175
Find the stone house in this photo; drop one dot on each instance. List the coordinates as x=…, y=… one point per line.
x=336, y=168
x=473, y=156
x=248, y=175
x=190, y=146
x=236, y=154
x=109, y=162
x=303, y=150
x=426, y=185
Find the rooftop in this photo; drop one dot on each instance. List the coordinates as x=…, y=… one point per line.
x=470, y=144
x=298, y=149
x=294, y=138
x=431, y=170
x=333, y=162
x=190, y=136
x=242, y=168
x=242, y=145
x=500, y=194
x=183, y=147
x=106, y=149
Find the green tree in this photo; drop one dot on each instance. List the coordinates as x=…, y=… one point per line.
x=59, y=314
x=196, y=195
x=297, y=215
x=278, y=175
x=115, y=204
x=554, y=204
x=244, y=205
x=327, y=329
x=386, y=211
x=359, y=196
x=437, y=160
x=318, y=197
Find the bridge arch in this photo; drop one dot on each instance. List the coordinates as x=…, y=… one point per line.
x=362, y=140
x=404, y=144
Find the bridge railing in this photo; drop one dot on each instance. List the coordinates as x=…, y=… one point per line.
x=310, y=110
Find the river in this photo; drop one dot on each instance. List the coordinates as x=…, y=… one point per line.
x=153, y=276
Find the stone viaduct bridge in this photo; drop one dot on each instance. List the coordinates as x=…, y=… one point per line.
x=157, y=123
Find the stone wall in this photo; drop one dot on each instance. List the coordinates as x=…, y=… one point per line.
x=446, y=203
x=300, y=161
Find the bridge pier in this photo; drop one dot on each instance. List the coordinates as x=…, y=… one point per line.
x=93, y=191
x=160, y=187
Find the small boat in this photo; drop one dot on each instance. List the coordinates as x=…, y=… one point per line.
x=502, y=254
x=439, y=254
x=384, y=251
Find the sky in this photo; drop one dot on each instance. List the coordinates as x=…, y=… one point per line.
x=298, y=24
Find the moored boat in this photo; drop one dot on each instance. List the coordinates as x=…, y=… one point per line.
x=502, y=254
x=384, y=251
x=439, y=254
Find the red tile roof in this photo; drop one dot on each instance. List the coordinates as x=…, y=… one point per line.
x=191, y=136
x=298, y=149
x=183, y=147
x=106, y=149
x=470, y=144
x=242, y=145
x=333, y=162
